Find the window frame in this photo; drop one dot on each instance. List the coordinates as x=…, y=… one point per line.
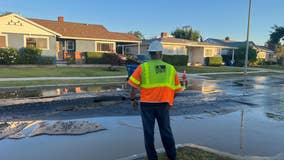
x=67, y=45
x=6, y=40
x=205, y=52
x=101, y=42
x=41, y=37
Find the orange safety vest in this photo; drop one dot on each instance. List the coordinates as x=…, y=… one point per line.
x=158, y=82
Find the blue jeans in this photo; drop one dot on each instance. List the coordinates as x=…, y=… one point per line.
x=159, y=111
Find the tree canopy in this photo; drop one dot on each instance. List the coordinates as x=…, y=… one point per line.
x=187, y=33
x=138, y=34
x=276, y=35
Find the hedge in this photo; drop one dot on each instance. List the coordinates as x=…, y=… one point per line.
x=102, y=58
x=29, y=55
x=176, y=60
x=213, y=61
x=8, y=56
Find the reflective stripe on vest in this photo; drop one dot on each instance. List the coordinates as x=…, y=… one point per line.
x=135, y=81
x=158, y=74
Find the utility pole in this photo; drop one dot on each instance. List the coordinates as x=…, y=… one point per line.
x=247, y=50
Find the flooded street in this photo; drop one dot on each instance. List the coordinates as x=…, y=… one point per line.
x=211, y=113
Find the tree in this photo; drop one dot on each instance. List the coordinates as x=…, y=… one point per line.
x=240, y=56
x=280, y=54
x=275, y=37
x=187, y=33
x=275, y=44
x=138, y=34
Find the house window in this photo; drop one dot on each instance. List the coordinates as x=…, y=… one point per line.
x=208, y=53
x=105, y=47
x=41, y=43
x=70, y=45
x=2, y=42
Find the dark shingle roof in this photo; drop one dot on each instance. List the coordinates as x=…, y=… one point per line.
x=232, y=44
x=179, y=41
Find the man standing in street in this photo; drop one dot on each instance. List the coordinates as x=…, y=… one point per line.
x=158, y=83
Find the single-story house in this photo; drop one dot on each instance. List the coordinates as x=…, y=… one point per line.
x=60, y=39
x=262, y=52
x=266, y=53
x=196, y=51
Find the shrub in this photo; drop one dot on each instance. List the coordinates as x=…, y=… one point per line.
x=213, y=61
x=94, y=58
x=240, y=56
x=176, y=60
x=29, y=55
x=8, y=56
x=259, y=61
x=46, y=60
x=102, y=58
x=111, y=58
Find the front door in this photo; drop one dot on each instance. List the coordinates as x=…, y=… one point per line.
x=59, y=50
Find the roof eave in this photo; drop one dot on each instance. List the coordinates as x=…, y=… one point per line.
x=98, y=39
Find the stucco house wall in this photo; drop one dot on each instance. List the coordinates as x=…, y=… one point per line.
x=51, y=52
x=17, y=29
x=197, y=56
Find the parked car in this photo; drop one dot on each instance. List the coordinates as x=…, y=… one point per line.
x=137, y=59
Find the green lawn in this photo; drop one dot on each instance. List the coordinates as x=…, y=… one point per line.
x=188, y=153
x=57, y=82
x=59, y=72
x=273, y=67
x=207, y=69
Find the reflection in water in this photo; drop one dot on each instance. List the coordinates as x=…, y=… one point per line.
x=260, y=79
x=193, y=84
x=204, y=86
x=14, y=129
x=52, y=91
x=274, y=116
x=242, y=134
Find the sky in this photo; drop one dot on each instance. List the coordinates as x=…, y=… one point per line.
x=212, y=18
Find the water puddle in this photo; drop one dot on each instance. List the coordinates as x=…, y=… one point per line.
x=44, y=92
x=245, y=133
x=203, y=86
x=214, y=121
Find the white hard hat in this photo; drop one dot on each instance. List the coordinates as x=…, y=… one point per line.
x=155, y=46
